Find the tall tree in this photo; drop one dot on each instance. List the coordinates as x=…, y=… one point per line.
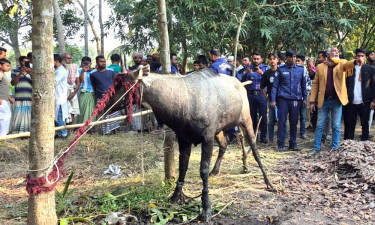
x=86, y=28
x=101, y=26
x=59, y=25
x=169, y=165
x=42, y=206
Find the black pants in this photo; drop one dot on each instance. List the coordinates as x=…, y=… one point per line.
x=350, y=119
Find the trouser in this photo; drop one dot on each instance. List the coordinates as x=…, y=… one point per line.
x=350, y=119
x=271, y=121
x=60, y=122
x=258, y=105
x=286, y=107
x=333, y=106
x=302, y=118
x=5, y=117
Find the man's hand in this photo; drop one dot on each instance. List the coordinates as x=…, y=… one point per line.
x=23, y=70
x=259, y=71
x=10, y=99
x=312, y=107
x=304, y=104
x=86, y=68
x=372, y=105
x=29, y=71
x=273, y=104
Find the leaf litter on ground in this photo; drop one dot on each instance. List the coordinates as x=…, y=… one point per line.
x=340, y=183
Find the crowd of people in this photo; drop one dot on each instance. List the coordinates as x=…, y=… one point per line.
x=289, y=87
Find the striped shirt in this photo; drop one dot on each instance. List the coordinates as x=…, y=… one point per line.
x=23, y=87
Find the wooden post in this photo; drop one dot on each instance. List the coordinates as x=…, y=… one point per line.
x=236, y=43
x=170, y=172
x=41, y=209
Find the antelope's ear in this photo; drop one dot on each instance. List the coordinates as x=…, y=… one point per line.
x=139, y=73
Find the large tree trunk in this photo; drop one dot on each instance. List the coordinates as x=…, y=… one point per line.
x=42, y=206
x=86, y=29
x=101, y=25
x=97, y=37
x=60, y=27
x=170, y=172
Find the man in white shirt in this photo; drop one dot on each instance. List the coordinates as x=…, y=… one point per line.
x=61, y=96
x=361, y=95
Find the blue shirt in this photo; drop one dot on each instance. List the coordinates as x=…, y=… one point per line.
x=174, y=70
x=101, y=81
x=255, y=77
x=222, y=66
x=290, y=83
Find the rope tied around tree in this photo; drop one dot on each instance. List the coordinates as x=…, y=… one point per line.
x=38, y=185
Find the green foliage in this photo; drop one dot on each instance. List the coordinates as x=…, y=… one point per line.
x=150, y=200
x=64, y=199
x=72, y=23
x=307, y=25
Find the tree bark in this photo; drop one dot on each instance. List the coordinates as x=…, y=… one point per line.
x=86, y=29
x=97, y=37
x=236, y=43
x=185, y=56
x=101, y=26
x=13, y=36
x=60, y=27
x=41, y=208
x=163, y=37
x=169, y=167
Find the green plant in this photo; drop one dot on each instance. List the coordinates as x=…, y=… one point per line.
x=64, y=199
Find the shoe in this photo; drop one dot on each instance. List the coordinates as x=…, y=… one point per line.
x=271, y=143
x=294, y=149
x=303, y=136
x=313, y=152
x=280, y=149
x=329, y=137
x=265, y=143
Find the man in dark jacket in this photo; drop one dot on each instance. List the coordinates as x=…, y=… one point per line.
x=361, y=95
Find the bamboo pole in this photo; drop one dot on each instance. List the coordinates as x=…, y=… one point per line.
x=27, y=134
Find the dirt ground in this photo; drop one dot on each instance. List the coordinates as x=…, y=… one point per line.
x=244, y=196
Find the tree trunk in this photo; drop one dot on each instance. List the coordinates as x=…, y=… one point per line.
x=163, y=37
x=97, y=37
x=101, y=25
x=236, y=44
x=169, y=168
x=185, y=55
x=60, y=27
x=42, y=206
x=13, y=36
x=86, y=29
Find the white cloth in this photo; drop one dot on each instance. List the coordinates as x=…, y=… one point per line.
x=8, y=75
x=357, y=86
x=61, y=92
x=239, y=68
x=5, y=117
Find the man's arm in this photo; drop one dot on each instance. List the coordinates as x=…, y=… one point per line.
x=275, y=88
x=348, y=65
x=76, y=88
x=263, y=84
x=314, y=89
x=16, y=79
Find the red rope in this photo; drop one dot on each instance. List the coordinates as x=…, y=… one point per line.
x=37, y=185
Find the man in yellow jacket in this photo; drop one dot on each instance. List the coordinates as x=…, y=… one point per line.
x=329, y=92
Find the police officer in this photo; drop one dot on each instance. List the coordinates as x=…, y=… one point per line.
x=289, y=90
x=257, y=101
x=220, y=65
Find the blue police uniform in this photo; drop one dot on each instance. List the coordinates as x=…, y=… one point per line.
x=221, y=65
x=257, y=101
x=289, y=90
